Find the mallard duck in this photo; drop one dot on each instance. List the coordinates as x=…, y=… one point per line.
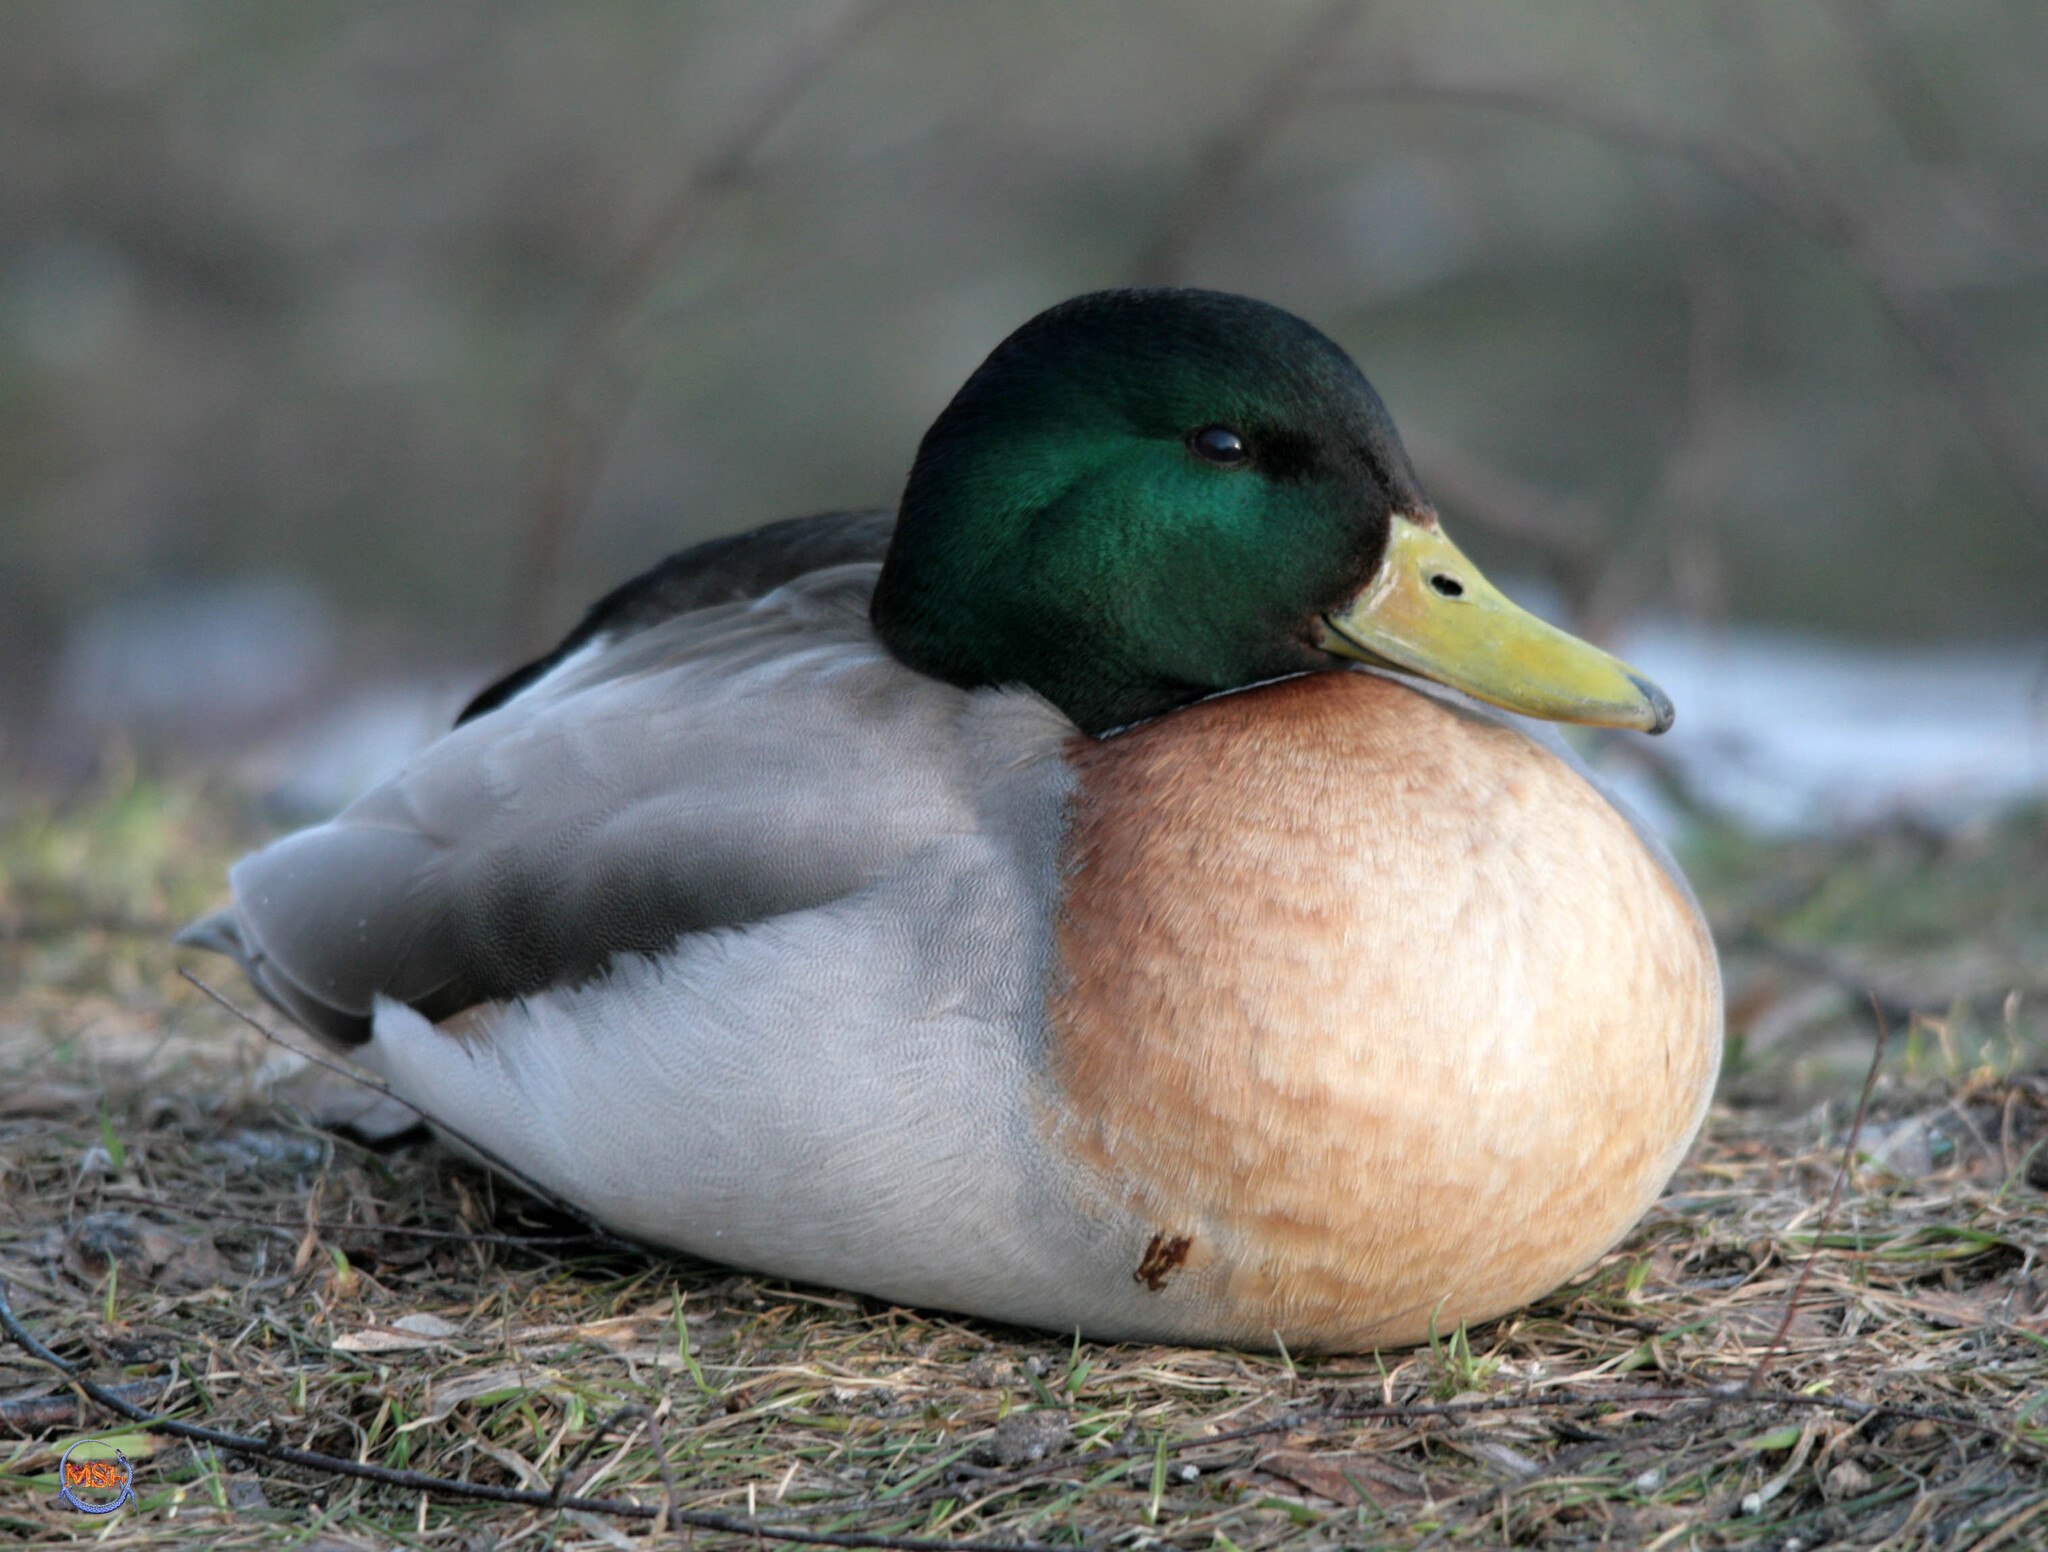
x=1099, y=895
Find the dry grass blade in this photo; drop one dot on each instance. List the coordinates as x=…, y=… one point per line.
x=1827, y=1213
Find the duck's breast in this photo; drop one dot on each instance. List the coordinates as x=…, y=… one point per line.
x=1375, y=1013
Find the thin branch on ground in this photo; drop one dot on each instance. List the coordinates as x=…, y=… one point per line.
x=1294, y=1420
x=26, y=1415
x=454, y=1487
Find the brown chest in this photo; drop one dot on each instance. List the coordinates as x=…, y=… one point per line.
x=1377, y=1006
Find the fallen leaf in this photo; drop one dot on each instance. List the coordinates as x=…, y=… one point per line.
x=135, y=1244
x=197, y=1264
x=404, y=1334
x=377, y=1339
x=1501, y=1456
x=1025, y=1438
x=618, y=1332
x=246, y=1493
x=426, y=1325
x=1345, y=1478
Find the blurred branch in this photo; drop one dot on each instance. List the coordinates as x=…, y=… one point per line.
x=1929, y=137
x=582, y=403
x=1678, y=519
x=1227, y=163
x=1571, y=533
x=1774, y=178
x=1569, y=529
x=1692, y=529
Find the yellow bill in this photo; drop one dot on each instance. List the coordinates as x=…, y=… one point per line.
x=1428, y=611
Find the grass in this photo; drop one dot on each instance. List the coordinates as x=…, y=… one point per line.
x=177, y=1213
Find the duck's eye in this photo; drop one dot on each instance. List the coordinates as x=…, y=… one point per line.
x=1221, y=446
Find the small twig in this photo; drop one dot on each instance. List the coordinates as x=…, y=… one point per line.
x=455, y=1487
x=663, y=1467
x=377, y=1086
x=32, y=1414
x=1827, y=1213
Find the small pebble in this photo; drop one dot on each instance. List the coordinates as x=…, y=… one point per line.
x=1649, y=1481
x=1845, y=1479
x=1026, y=1438
x=246, y=1493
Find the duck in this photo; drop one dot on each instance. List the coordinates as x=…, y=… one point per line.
x=1130, y=889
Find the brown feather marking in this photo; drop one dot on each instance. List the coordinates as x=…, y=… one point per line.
x=1165, y=1255
x=1378, y=999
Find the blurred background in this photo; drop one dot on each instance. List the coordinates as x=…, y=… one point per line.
x=346, y=350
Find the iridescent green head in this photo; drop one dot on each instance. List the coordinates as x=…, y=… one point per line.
x=1145, y=497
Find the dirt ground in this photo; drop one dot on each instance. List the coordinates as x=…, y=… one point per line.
x=181, y=1218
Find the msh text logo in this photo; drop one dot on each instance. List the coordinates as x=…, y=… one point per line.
x=95, y=1478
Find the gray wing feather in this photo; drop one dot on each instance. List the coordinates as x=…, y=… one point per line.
x=673, y=780
x=718, y=571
